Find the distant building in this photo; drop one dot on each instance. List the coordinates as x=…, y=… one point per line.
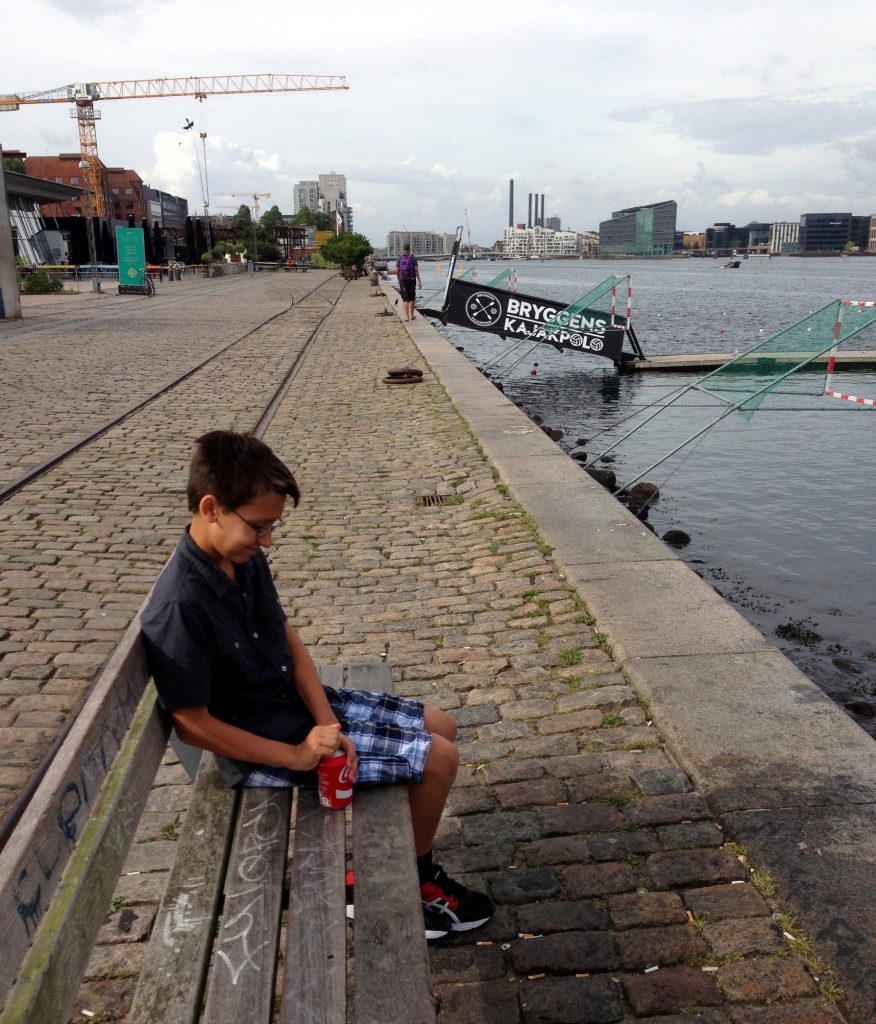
x=588, y=243
x=64, y=169
x=725, y=237
x=423, y=243
x=871, y=240
x=124, y=190
x=328, y=194
x=859, y=233
x=693, y=240
x=758, y=236
x=31, y=239
x=305, y=195
x=640, y=231
x=553, y=223
x=825, y=232
x=784, y=237
x=540, y=243
x=333, y=197
x=164, y=209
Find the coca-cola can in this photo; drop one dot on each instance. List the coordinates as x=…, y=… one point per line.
x=333, y=776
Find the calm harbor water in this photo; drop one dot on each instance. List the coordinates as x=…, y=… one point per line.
x=779, y=508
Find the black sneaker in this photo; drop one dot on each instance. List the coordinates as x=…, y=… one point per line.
x=437, y=925
x=461, y=908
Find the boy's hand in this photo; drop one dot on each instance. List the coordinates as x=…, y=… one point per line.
x=322, y=741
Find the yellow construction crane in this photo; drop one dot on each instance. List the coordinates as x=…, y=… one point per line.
x=254, y=196
x=85, y=94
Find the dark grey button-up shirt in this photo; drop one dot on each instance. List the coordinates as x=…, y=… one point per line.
x=216, y=643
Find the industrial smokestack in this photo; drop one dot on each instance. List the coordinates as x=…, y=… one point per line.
x=529, y=217
x=511, y=205
x=541, y=219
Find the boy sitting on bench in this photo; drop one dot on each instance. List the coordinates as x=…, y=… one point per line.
x=238, y=681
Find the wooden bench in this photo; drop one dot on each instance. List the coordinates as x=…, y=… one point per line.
x=61, y=865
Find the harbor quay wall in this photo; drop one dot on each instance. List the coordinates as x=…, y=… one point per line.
x=788, y=774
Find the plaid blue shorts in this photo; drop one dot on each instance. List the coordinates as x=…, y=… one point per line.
x=387, y=731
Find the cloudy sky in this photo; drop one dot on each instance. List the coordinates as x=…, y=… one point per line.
x=742, y=110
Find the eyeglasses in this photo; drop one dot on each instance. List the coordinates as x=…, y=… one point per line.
x=259, y=531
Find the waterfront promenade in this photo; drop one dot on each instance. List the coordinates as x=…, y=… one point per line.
x=617, y=720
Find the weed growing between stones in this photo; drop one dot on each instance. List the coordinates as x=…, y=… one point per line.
x=643, y=701
x=762, y=880
x=571, y=656
x=171, y=831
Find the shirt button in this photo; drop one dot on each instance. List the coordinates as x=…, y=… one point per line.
x=282, y=668
x=255, y=636
x=236, y=644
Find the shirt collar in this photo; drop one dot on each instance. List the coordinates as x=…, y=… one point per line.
x=206, y=567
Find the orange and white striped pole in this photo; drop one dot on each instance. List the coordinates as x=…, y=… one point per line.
x=831, y=363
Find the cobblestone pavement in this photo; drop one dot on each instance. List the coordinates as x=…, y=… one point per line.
x=80, y=548
x=65, y=370
x=604, y=863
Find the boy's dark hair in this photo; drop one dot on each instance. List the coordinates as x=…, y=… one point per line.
x=236, y=468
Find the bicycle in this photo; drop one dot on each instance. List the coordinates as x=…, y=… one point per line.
x=148, y=285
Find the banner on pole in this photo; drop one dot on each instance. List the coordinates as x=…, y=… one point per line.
x=132, y=255
x=527, y=317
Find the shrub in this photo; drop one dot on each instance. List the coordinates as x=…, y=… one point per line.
x=39, y=283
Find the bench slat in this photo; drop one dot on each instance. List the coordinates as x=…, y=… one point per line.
x=172, y=980
x=50, y=975
x=315, y=969
x=392, y=962
x=34, y=858
x=315, y=975
x=241, y=985
x=389, y=942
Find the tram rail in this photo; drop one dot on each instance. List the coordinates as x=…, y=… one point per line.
x=29, y=476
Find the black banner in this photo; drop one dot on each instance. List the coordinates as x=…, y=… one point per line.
x=511, y=315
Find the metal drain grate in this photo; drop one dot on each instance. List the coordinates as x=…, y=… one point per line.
x=431, y=500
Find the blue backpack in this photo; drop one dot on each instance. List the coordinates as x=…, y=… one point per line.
x=406, y=268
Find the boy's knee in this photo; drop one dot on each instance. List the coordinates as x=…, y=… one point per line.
x=443, y=759
x=440, y=723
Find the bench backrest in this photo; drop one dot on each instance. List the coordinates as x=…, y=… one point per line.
x=79, y=824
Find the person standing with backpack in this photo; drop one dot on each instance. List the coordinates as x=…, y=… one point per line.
x=408, y=274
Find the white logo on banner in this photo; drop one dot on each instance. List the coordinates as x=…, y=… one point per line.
x=483, y=309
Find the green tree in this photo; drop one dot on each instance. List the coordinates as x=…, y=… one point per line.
x=13, y=164
x=242, y=220
x=271, y=218
x=350, y=250
x=307, y=218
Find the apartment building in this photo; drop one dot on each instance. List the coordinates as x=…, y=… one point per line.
x=423, y=243
x=327, y=194
x=539, y=243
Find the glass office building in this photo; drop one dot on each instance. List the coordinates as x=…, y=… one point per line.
x=24, y=196
x=639, y=231
x=825, y=232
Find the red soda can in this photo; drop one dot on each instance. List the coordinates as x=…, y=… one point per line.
x=333, y=776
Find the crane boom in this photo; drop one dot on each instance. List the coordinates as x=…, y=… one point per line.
x=85, y=94
x=190, y=85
